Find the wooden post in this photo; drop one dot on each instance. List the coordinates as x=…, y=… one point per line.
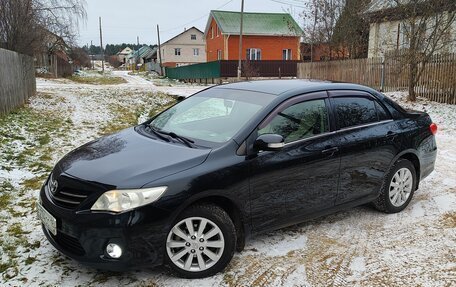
x=101, y=46
x=159, y=50
x=382, y=81
x=239, y=71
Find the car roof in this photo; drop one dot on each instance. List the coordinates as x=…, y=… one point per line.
x=289, y=87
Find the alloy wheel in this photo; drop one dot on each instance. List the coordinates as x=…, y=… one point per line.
x=195, y=244
x=400, y=187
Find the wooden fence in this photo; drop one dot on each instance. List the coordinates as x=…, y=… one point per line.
x=437, y=83
x=17, y=80
x=53, y=65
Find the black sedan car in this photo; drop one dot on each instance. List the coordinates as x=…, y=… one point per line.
x=187, y=187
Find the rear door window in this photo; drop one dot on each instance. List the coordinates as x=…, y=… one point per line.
x=382, y=113
x=354, y=111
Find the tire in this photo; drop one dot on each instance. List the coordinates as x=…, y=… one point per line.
x=398, y=187
x=209, y=250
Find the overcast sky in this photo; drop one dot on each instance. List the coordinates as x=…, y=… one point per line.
x=124, y=20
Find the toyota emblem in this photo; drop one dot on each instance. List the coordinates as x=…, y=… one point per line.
x=53, y=184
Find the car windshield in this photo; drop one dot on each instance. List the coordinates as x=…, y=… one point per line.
x=213, y=115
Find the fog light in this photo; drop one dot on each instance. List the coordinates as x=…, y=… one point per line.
x=114, y=250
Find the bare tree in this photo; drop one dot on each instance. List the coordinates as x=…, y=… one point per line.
x=321, y=17
x=427, y=29
x=352, y=30
x=80, y=57
x=28, y=26
x=413, y=31
x=114, y=61
x=249, y=69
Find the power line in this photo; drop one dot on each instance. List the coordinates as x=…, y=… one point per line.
x=289, y=3
x=199, y=18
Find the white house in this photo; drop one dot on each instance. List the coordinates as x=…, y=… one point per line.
x=123, y=54
x=388, y=30
x=184, y=49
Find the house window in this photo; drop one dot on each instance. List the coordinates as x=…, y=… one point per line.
x=219, y=54
x=212, y=32
x=196, y=51
x=177, y=51
x=253, y=54
x=286, y=54
x=217, y=31
x=193, y=37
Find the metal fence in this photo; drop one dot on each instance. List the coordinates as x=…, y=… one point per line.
x=263, y=68
x=17, y=80
x=209, y=70
x=437, y=82
x=228, y=69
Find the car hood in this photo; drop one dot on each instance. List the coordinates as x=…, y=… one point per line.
x=129, y=160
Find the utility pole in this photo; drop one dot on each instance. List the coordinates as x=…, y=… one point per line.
x=159, y=50
x=239, y=72
x=91, y=55
x=102, y=50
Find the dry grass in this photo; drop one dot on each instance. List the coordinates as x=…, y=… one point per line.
x=449, y=219
x=98, y=80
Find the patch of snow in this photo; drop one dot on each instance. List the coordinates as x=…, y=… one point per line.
x=278, y=245
x=15, y=176
x=417, y=210
x=446, y=202
x=358, y=265
x=297, y=278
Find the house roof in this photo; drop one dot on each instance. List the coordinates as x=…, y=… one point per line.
x=143, y=52
x=186, y=31
x=125, y=51
x=376, y=6
x=379, y=5
x=383, y=10
x=266, y=24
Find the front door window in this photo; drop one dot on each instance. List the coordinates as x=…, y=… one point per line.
x=299, y=121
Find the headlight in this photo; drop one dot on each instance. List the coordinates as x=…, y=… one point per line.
x=123, y=200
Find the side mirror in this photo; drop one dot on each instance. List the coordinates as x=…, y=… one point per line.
x=269, y=142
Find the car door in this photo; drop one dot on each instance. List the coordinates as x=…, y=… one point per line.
x=366, y=142
x=301, y=178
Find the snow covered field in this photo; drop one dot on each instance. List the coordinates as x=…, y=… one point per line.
x=358, y=247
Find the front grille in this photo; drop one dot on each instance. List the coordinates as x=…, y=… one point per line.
x=69, y=243
x=69, y=198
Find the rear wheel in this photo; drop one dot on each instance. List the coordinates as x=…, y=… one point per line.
x=398, y=188
x=201, y=242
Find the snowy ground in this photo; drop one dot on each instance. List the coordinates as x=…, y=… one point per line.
x=358, y=247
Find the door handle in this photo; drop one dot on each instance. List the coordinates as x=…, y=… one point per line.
x=331, y=150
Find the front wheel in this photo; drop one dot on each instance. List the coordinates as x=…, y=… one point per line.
x=398, y=188
x=201, y=242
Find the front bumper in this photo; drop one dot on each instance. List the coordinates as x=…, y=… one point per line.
x=84, y=235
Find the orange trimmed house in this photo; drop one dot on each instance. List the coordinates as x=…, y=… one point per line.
x=266, y=36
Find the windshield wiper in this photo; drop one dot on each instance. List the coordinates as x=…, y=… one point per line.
x=184, y=140
x=188, y=142
x=157, y=133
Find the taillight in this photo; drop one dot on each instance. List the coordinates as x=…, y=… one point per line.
x=433, y=128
